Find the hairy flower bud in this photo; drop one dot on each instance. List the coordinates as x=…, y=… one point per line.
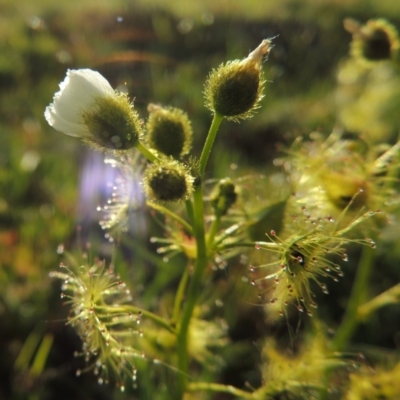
x=377, y=40
x=223, y=196
x=234, y=89
x=168, y=181
x=169, y=131
x=87, y=107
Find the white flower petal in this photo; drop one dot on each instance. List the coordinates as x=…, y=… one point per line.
x=62, y=125
x=78, y=92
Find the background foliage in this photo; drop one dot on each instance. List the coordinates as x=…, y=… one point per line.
x=160, y=52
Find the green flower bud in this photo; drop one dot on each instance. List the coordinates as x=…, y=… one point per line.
x=223, y=197
x=377, y=40
x=167, y=181
x=169, y=131
x=113, y=123
x=234, y=89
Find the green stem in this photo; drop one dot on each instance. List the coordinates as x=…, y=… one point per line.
x=350, y=320
x=265, y=245
x=146, y=152
x=217, y=387
x=147, y=314
x=213, y=231
x=167, y=211
x=189, y=210
x=357, y=296
x=390, y=296
x=193, y=291
x=179, y=295
x=42, y=355
x=212, y=133
x=228, y=232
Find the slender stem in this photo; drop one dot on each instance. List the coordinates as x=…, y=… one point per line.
x=271, y=246
x=217, y=387
x=390, y=296
x=213, y=231
x=146, y=152
x=357, y=296
x=350, y=320
x=228, y=232
x=148, y=314
x=167, y=211
x=189, y=210
x=179, y=295
x=193, y=291
x=197, y=218
x=212, y=133
x=42, y=355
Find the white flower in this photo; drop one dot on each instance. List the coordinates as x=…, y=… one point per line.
x=88, y=107
x=79, y=92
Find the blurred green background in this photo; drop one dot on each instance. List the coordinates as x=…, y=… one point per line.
x=159, y=51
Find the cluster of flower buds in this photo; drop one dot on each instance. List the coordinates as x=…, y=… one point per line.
x=87, y=107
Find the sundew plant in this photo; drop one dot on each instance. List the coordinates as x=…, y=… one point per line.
x=282, y=240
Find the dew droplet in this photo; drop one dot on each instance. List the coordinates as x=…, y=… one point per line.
x=273, y=233
x=219, y=303
x=257, y=246
x=78, y=372
x=121, y=285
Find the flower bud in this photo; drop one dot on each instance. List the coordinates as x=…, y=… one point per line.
x=169, y=131
x=168, y=181
x=223, y=196
x=87, y=107
x=234, y=89
x=377, y=40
